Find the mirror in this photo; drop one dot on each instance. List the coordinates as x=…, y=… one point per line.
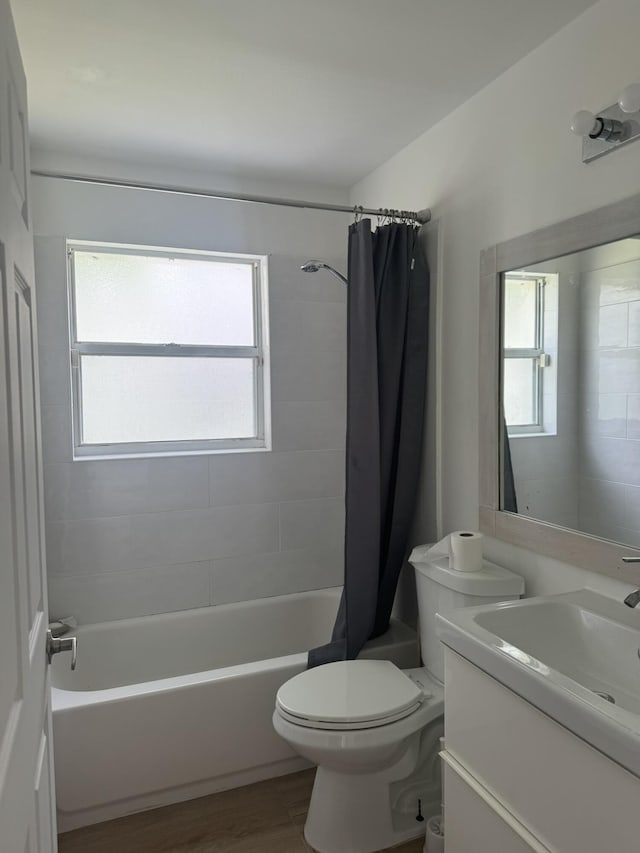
x=575, y=460
x=570, y=391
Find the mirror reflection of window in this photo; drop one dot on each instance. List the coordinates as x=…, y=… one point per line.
x=530, y=311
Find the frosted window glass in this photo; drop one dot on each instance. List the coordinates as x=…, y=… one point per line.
x=519, y=385
x=138, y=399
x=122, y=298
x=520, y=299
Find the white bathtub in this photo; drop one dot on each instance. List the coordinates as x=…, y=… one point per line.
x=166, y=708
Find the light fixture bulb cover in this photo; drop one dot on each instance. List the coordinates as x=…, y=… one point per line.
x=630, y=99
x=583, y=123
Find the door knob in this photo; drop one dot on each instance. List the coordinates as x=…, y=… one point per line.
x=55, y=645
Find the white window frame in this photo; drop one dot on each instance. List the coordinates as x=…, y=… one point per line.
x=259, y=353
x=536, y=353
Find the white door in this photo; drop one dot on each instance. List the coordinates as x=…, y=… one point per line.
x=26, y=791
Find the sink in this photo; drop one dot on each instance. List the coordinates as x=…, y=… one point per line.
x=578, y=636
x=574, y=656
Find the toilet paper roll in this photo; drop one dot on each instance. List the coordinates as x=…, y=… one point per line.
x=463, y=548
x=465, y=551
x=434, y=841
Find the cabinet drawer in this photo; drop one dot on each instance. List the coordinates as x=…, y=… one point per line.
x=567, y=794
x=475, y=822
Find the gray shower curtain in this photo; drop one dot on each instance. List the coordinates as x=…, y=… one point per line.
x=387, y=327
x=509, y=498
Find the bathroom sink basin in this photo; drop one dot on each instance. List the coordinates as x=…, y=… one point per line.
x=575, y=656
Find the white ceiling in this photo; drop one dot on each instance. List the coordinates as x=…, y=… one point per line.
x=322, y=90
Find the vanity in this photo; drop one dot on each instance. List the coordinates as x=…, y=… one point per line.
x=542, y=722
x=542, y=708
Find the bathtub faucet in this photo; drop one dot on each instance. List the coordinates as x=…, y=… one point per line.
x=60, y=627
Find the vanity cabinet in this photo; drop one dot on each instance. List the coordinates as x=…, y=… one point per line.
x=516, y=781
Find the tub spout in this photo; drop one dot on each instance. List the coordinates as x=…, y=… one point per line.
x=60, y=627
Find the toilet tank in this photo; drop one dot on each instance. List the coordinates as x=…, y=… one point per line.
x=441, y=589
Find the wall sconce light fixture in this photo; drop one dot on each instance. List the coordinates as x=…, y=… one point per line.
x=610, y=128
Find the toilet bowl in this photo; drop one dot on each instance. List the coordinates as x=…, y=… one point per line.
x=374, y=730
x=375, y=759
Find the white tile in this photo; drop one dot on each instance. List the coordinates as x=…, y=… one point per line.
x=633, y=416
x=606, y=414
x=305, y=524
x=57, y=440
x=281, y=573
x=160, y=539
x=551, y=499
x=125, y=486
x=634, y=324
x=619, y=371
x=589, y=311
x=620, y=283
x=567, y=411
x=613, y=325
x=261, y=477
x=605, y=500
x=297, y=326
x=122, y=595
x=632, y=515
x=51, y=291
x=589, y=367
x=309, y=376
x=309, y=425
x=613, y=459
x=55, y=373
x=558, y=452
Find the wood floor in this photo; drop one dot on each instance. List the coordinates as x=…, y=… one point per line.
x=267, y=817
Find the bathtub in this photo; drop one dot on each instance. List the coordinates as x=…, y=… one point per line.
x=166, y=708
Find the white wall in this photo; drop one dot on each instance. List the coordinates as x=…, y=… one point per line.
x=138, y=536
x=501, y=165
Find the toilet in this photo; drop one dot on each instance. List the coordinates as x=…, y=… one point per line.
x=374, y=730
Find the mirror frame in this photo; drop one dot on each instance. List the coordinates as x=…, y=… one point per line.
x=605, y=225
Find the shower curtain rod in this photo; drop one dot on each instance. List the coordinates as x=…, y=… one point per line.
x=420, y=216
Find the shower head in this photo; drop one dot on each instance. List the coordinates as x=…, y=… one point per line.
x=314, y=266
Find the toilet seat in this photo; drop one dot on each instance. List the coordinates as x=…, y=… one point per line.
x=346, y=726
x=350, y=695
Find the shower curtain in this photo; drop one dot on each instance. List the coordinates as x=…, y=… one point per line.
x=509, y=498
x=387, y=328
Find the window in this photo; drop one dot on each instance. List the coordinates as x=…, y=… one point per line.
x=168, y=351
x=529, y=301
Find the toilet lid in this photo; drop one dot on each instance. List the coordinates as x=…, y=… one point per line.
x=358, y=691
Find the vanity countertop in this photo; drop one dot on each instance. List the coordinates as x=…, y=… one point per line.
x=575, y=657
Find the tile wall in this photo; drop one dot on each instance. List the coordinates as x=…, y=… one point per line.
x=609, y=487
x=132, y=537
